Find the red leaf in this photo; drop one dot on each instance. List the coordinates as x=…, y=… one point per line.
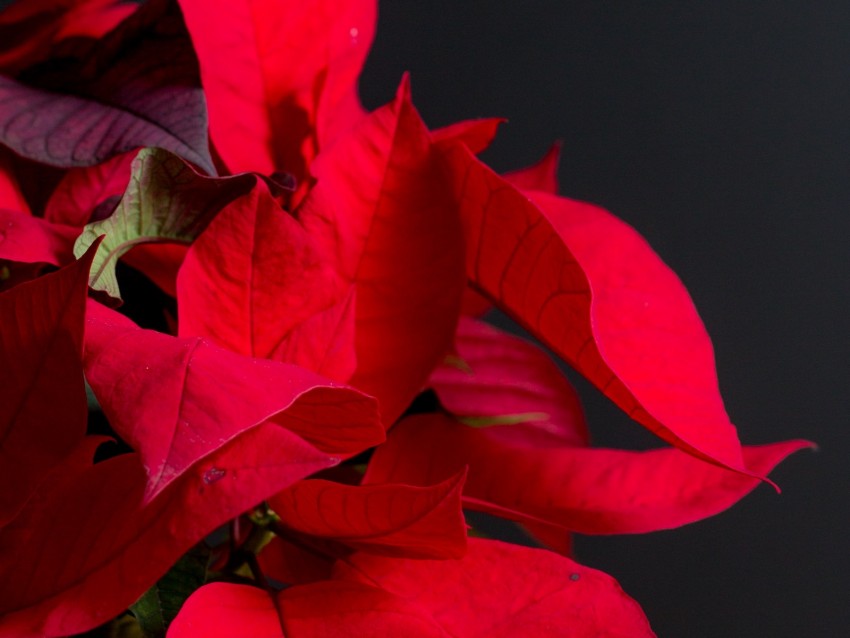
x=497, y=590
x=503, y=376
x=477, y=135
x=158, y=262
x=223, y=610
x=30, y=31
x=43, y=412
x=83, y=189
x=81, y=112
x=589, y=287
x=266, y=113
x=293, y=563
x=11, y=197
x=31, y=240
x=381, y=209
x=593, y=491
x=179, y=400
x=542, y=176
x=324, y=343
x=392, y=520
x=515, y=591
x=321, y=610
x=253, y=277
x=89, y=544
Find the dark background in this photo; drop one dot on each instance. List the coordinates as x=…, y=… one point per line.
x=721, y=131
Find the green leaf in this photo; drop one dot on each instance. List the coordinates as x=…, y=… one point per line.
x=160, y=604
x=457, y=362
x=165, y=201
x=502, y=419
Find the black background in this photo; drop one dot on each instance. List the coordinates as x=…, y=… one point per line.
x=720, y=131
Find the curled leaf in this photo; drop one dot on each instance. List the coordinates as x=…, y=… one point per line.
x=165, y=201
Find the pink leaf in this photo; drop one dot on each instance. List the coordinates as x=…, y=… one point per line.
x=31, y=31
x=11, y=197
x=515, y=591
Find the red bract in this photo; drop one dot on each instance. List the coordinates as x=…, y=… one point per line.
x=535, y=466
x=255, y=282
x=594, y=491
x=393, y=519
x=121, y=524
x=279, y=76
x=43, y=411
x=83, y=189
x=348, y=257
x=206, y=397
x=32, y=30
x=28, y=239
x=590, y=287
x=384, y=211
x=495, y=590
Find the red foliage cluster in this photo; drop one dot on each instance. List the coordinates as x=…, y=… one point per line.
x=320, y=267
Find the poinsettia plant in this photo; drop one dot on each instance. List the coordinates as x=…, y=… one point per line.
x=247, y=389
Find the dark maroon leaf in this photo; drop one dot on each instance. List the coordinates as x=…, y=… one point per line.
x=138, y=86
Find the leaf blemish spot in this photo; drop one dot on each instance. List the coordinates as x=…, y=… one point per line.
x=213, y=475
